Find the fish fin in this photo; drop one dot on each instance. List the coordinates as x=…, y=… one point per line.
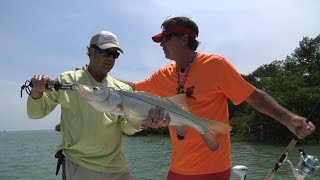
x=210, y=139
x=213, y=127
x=179, y=99
x=209, y=135
x=181, y=130
x=130, y=114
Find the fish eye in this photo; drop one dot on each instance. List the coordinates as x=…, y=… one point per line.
x=96, y=88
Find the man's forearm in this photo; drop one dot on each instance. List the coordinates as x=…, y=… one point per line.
x=264, y=103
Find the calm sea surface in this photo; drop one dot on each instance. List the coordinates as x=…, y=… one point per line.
x=29, y=155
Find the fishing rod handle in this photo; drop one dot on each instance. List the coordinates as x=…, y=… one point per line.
x=49, y=85
x=271, y=175
x=57, y=85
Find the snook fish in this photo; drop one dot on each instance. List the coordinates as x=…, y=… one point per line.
x=136, y=104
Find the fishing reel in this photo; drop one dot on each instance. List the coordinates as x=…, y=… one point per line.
x=57, y=86
x=307, y=166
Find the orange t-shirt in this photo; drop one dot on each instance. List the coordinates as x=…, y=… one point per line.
x=211, y=80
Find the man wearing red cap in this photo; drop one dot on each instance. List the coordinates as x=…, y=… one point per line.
x=208, y=80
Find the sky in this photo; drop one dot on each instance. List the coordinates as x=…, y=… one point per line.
x=50, y=37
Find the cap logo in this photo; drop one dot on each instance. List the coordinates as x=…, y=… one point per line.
x=109, y=38
x=105, y=40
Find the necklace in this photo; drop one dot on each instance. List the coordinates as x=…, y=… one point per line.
x=181, y=85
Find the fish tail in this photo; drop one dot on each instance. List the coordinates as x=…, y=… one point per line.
x=213, y=127
x=220, y=127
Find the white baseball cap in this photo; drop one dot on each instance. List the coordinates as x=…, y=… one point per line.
x=105, y=40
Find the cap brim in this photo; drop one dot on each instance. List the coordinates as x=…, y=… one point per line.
x=158, y=38
x=107, y=46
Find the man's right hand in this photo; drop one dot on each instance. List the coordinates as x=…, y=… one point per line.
x=39, y=85
x=156, y=118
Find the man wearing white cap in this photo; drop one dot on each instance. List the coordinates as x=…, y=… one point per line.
x=91, y=145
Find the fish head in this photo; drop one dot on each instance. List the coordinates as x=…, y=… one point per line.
x=101, y=98
x=91, y=93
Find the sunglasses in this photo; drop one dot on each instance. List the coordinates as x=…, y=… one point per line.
x=169, y=36
x=108, y=53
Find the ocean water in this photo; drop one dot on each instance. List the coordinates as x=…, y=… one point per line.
x=29, y=155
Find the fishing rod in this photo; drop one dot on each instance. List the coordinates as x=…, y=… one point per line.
x=49, y=85
x=286, y=152
x=308, y=165
x=283, y=157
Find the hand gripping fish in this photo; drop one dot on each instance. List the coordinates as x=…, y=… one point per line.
x=135, y=104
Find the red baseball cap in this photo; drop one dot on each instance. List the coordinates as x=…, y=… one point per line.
x=173, y=29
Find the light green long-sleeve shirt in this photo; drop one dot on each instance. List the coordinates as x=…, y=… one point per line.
x=90, y=138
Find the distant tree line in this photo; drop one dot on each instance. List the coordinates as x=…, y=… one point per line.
x=293, y=82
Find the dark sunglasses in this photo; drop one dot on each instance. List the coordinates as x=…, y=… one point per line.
x=169, y=36
x=108, y=53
